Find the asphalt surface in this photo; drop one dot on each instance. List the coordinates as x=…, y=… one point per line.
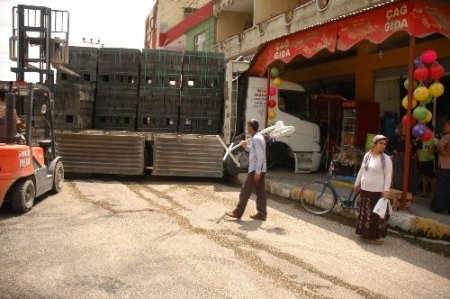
x=168, y=238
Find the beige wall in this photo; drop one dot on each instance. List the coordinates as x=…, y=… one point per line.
x=231, y=23
x=265, y=9
x=170, y=13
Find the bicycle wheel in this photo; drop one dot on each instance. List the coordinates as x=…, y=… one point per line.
x=317, y=198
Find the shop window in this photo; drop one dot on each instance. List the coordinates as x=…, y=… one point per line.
x=295, y=103
x=199, y=42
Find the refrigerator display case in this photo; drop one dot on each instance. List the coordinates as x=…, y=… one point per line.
x=359, y=119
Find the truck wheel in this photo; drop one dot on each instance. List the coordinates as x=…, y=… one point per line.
x=22, y=196
x=58, y=177
x=279, y=155
x=230, y=169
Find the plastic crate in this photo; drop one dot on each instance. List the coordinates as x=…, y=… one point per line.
x=121, y=120
x=83, y=58
x=199, y=125
x=152, y=121
x=119, y=60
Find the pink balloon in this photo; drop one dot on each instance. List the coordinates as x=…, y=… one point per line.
x=428, y=56
x=421, y=73
x=427, y=136
x=272, y=91
x=437, y=71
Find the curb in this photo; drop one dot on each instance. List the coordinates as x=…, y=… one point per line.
x=400, y=220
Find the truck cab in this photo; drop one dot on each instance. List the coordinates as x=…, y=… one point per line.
x=293, y=108
x=246, y=98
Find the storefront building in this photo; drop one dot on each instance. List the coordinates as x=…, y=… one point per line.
x=364, y=56
x=354, y=49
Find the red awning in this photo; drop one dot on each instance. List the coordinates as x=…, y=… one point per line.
x=416, y=17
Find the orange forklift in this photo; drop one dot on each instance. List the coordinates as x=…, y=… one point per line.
x=29, y=166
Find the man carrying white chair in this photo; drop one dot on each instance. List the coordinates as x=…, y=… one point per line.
x=256, y=175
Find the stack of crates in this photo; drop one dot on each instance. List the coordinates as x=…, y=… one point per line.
x=75, y=95
x=117, y=89
x=159, y=90
x=201, y=104
x=76, y=102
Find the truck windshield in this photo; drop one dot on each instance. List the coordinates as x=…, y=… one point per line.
x=295, y=103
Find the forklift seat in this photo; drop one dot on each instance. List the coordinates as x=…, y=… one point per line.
x=2, y=127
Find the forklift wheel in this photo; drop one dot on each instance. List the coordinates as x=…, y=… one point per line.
x=58, y=177
x=23, y=195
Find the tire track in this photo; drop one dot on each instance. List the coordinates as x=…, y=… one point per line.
x=250, y=257
x=101, y=203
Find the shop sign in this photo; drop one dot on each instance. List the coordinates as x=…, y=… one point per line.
x=396, y=19
x=259, y=100
x=417, y=18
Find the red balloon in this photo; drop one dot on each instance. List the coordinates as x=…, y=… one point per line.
x=412, y=120
x=421, y=73
x=427, y=136
x=437, y=71
x=428, y=56
x=272, y=103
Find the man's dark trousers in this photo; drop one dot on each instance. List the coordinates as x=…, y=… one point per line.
x=246, y=191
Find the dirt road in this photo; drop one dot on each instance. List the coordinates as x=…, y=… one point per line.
x=159, y=238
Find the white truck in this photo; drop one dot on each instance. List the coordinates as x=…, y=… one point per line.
x=246, y=99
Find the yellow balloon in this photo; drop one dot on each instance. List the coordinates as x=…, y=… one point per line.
x=405, y=103
x=272, y=115
x=428, y=118
x=421, y=93
x=436, y=89
x=277, y=82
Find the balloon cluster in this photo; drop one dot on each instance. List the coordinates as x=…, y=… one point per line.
x=427, y=72
x=271, y=114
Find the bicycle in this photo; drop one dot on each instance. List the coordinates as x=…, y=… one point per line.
x=320, y=197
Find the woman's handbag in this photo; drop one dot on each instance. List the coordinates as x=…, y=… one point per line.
x=383, y=204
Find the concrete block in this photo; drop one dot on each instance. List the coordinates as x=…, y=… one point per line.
x=401, y=220
x=430, y=228
x=281, y=189
x=295, y=193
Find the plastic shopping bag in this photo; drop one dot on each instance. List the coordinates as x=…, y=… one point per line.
x=381, y=207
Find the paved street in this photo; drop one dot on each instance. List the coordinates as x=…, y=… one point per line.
x=158, y=238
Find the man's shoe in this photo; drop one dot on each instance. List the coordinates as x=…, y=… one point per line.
x=259, y=216
x=233, y=214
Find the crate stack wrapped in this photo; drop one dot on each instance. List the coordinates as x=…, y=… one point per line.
x=202, y=93
x=159, y=90
x=74, y=96
x=117, y=89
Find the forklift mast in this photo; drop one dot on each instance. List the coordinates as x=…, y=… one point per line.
x=47, y=31
x=39, y=43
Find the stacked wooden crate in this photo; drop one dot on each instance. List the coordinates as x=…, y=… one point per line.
x=395, y=196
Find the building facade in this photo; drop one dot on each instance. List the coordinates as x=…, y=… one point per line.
x=203, y=36
x=170, y=21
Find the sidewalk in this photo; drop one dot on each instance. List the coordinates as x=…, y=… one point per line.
x=419, y=220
